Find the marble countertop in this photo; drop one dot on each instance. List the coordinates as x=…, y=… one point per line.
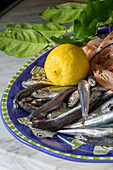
x=13, y=153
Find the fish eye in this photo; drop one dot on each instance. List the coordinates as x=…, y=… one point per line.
x=70, y=100
x=41, y=135
x=38, y=92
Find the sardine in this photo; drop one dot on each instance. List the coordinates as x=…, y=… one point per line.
x=107, y=106
x=100, y=141
x=109, y=125
x=63, y=108
x=31, y=82
x=48, y=92
x=73, y=99
x=38, y=76
x=54, y=103
x=84, y=93
x=105, y=97
x=99, y=88
x=97, y=91
x=96, y=121
x=26, y=92
x=73, y=115
x=27, y=106
x=95, y=95
x=31, y=108
x=92, y=81
x=90, y=132
x=39, y=102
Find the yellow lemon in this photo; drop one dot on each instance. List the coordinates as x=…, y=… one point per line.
x=66, y=65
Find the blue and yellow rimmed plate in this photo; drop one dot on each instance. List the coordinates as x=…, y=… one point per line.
x=56, y=145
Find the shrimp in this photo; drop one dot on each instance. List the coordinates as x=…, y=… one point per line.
x=104, y=77
x=101, y=60
x=91, y=47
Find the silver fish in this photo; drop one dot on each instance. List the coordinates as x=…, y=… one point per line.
x=73, y=99
x=95, y=95
x=63, y=108
x=100, y=141
x=90, y=132
x=107, y=95
x=27, y=106
x=96, y=121
x=65, y=119
x=99, y=88
x=31, y=82
x=27, y=92
x=54, y=103
x=109, y=125
x=92, y=81
x=107, y=106
x=38, y=76
x=97, y=91
x=84, y=93
x=48, y=92
x=39, y=102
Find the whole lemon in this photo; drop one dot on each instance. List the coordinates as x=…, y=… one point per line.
x=66, y=65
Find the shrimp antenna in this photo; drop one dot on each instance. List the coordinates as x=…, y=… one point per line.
x=100, y=51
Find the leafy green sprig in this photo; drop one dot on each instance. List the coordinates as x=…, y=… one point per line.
x=25, y=39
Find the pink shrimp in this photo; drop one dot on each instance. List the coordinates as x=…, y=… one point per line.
x=102, y=64
x=104, y=77
x=106, y=41
x=91, y=47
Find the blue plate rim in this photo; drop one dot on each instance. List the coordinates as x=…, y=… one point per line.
x=3, y=110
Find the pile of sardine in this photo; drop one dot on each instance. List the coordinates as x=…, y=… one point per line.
x=84, y=111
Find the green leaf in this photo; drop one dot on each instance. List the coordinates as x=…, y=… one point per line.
x=67, y=40
x=47, y=30
x=70, y=29
x=21, y=43
x=87, y=22
x=62, y=13
x=109, y=20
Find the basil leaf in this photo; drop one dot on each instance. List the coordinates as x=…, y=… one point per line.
x=21, y=43
x=47, y=30
x=62, y=13
x=87, y=22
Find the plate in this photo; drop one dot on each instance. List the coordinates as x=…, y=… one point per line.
x=51, y=143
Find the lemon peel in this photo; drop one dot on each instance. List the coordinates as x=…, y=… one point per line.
x=66, y=64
